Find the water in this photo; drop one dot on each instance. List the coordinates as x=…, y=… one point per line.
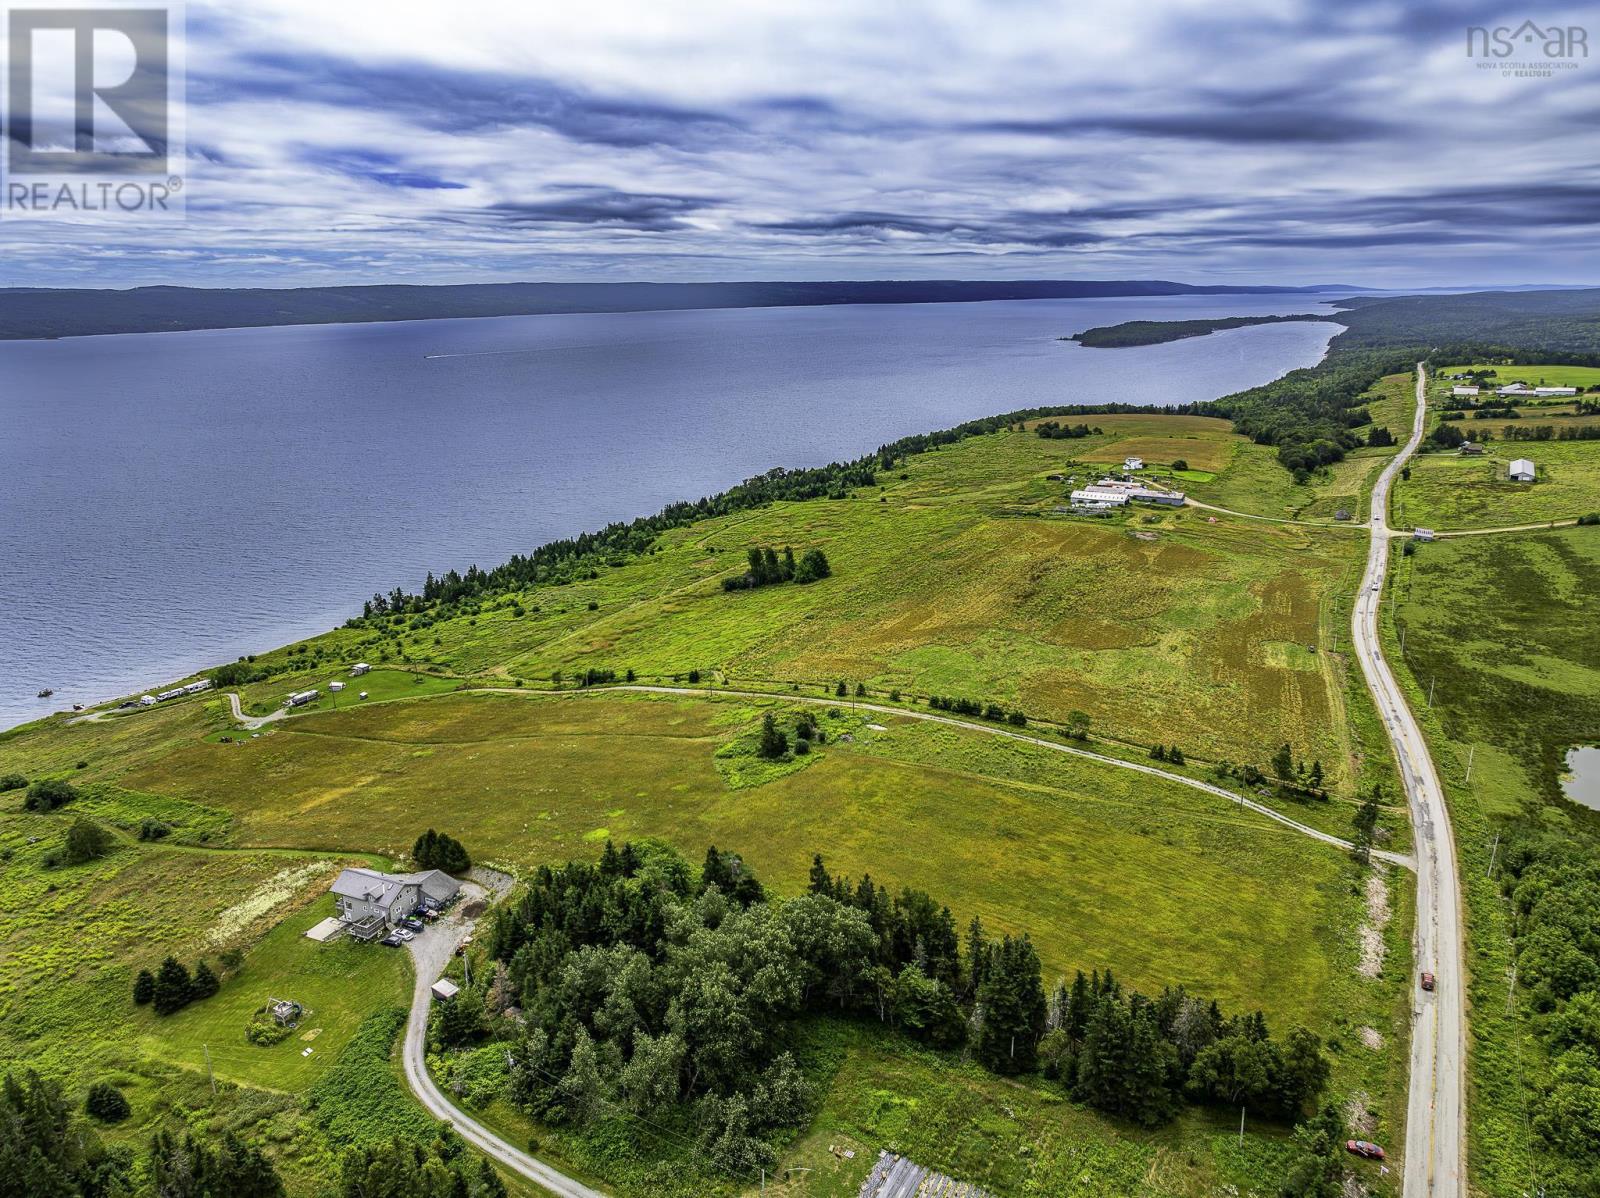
x=1582, y=784
x=170, y=501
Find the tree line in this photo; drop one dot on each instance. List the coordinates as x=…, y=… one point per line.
x=1054, y=430
x=1547, y=432
x=647, y=987
x=768, y=568
x=1552, y=880
x=47, y=1152
x=980, y=710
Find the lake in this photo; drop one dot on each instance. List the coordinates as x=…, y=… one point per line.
x=1582, y=781
x=173, y=500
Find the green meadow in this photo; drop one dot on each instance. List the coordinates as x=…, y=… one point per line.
x=1498, y=628
x=1249, y=479
x=958, y=576
x=1447, y=490
x=1534, y=376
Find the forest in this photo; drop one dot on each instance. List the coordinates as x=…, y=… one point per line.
x=1552, y=881
x=644, y=987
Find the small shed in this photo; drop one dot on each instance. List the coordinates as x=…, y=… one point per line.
x=1471, y=449
x=1423, y=534
x=1522, y=471
x=444, y=989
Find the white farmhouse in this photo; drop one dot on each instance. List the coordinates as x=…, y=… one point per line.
x=1132, y=463
x=1521, y=471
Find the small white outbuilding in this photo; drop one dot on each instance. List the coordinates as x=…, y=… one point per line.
x=444, y=990
x=1521, y=471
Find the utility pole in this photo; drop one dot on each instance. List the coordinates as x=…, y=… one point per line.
x=1241, y=1127
x=1431, y=681
x=1471, y=749
x=206, y=1048
x=1495, y=848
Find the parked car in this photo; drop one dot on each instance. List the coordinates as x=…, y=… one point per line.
x=1427, y=981
x=405, y=933
x=412, y=922
x=391, y=941
x=1365, y=1148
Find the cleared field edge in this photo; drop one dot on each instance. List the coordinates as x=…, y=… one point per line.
x=1499, y=1144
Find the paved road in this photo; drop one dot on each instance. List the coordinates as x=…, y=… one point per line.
x=973, y=726
x=430, y=953
x=1435, y=1164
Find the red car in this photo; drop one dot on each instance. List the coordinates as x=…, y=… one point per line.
x=1365, y=1148
x=1427, y=981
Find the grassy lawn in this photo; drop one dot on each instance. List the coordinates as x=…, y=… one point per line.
x=262, y=698
x=338, y=984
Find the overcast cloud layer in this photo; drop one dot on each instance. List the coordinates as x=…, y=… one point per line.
x=376, y=141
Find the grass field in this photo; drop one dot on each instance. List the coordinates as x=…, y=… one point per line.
x=1449, y=491
x=1533, y=376
x=1251, y=480
x=1087, y=859
x=955, y=577
x=1497, y=625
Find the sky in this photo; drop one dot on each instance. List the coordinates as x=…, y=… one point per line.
x=363, y=141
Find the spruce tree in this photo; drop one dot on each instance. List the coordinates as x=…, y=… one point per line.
x=144, y=987
x=204, y=983
x=821, y=883
x=171, y=991
x=774, y=742
x=1013, y=1003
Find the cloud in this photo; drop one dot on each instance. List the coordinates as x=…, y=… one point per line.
x=1270, y=140
x=600, y=206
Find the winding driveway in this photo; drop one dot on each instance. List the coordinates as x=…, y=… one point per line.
x=252, y=722
x=1435, y=1164
x=430, y=953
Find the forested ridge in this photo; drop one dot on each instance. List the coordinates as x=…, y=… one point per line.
x=1313, y=415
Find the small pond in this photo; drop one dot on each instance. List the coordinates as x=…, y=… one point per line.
x=1582, y=783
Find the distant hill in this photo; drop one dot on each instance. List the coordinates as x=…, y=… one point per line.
x=36, y=312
